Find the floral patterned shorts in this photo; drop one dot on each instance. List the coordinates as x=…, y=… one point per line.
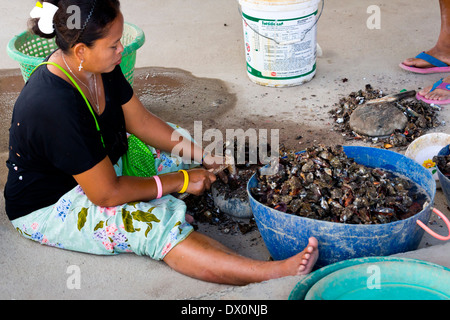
x=150, y=228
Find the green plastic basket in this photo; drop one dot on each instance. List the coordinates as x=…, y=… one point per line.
x=30, y=50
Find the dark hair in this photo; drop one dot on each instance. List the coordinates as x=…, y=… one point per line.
x=95, y=16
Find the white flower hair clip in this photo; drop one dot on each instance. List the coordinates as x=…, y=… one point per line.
x=45, y=12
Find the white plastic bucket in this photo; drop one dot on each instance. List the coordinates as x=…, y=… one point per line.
x=280, y=39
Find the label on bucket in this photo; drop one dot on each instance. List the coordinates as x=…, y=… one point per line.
x=287, y=59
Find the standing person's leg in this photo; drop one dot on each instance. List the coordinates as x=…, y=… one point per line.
x=201, y=257
x=441, y=50
x=434, y=61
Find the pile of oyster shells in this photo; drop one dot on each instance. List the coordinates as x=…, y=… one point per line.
x=421, y=117
x=323, y=183
x=443, y=163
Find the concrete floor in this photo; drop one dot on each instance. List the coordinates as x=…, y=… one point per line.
x=204, y=39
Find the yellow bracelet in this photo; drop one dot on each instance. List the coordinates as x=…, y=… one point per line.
x=186, y=181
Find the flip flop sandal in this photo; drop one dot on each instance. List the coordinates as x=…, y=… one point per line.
x=438, y=85
x=439, y=66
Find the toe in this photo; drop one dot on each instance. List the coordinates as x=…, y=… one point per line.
x=313, y=243
x=408, y=61
x=423, y=92
x=414, y=62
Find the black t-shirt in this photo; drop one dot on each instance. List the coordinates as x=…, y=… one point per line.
x=53, y=136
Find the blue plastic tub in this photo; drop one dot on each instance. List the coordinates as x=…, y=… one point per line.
x=285, y=234
x=443, y=180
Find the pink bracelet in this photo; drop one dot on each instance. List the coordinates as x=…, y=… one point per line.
x=159, y=186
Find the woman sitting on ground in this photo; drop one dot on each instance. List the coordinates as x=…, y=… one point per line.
x=65, y=185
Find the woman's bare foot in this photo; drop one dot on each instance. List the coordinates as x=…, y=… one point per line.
x=437, y=94
x=303, y=262
x=204, y=258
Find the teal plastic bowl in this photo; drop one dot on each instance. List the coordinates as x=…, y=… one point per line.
x=376, y=278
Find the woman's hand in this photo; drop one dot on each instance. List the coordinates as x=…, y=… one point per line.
x=212, y=163
x=199, y=181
